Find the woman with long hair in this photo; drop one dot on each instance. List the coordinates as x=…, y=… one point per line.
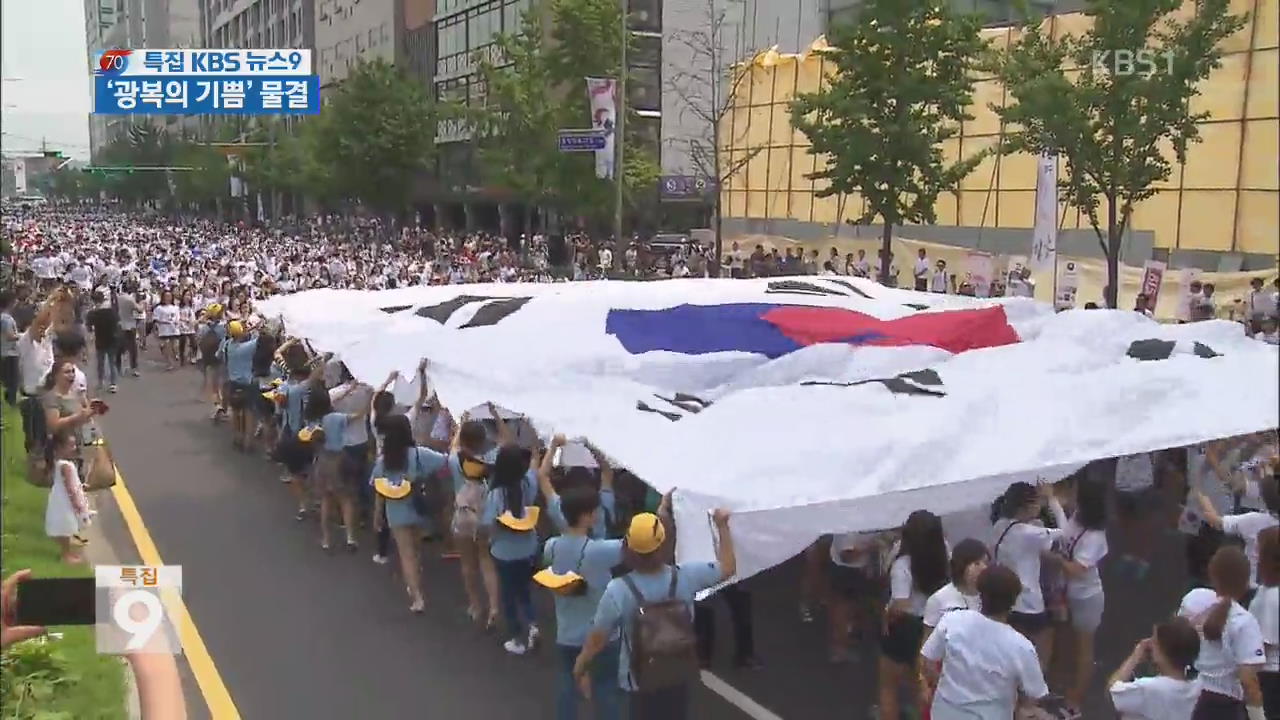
x=381, y=409
x=399, y=465
x=165, y=315
x=1081, y=549
x=1021, y=542
x=1231, y=645
x=469, y=471
x=511, y=519
x=186, y=327
x=326, y=474
x=919, y=569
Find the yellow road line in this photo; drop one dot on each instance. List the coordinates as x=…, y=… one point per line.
x=212, y=688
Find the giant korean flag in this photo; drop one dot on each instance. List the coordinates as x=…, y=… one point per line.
x=807, y=405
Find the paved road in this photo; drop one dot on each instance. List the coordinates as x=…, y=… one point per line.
x=297, y=633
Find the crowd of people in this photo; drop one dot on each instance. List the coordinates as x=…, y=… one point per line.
x=969, y=620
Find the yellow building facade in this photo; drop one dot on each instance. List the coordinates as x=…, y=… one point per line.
x=1225, y=198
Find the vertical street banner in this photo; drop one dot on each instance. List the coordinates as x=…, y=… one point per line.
x=602, y=94
x=1044, y=238
x=981, y=269
x=1189, y=275
x=1152, y=277
x=1068, y=286
x=20, y=176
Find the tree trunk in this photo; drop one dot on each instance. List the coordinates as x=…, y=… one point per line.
x=886, y=245
x=1112, y=291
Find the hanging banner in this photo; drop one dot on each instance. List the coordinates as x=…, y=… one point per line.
x=1044, y=238
x=1068, y=285
x=1152, y=277
x=20, y=176
x=980, y=268
x=602, y=93
x=1189, y=275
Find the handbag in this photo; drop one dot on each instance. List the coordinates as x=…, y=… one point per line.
x=99, y=465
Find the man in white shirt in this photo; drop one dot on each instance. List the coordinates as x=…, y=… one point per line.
x=606, y=260
x=978, y=665
x=921, y=271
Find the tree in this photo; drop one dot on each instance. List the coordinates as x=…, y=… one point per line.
x=903, y=81
x=375, y=136
x=1111, y=125
x=209, y=178
x=706, y=87
x=534, y=86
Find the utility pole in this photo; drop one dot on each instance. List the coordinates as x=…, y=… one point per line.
x=619, y=138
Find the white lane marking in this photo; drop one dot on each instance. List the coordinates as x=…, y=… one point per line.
x=736, y=698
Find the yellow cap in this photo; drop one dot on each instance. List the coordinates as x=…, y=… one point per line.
x=646, y=533
x=474, y=469
x=235, y=328
x=387, y=489
x=554, y=581
x=307, y=434
x=520, y=524
x=214, y=309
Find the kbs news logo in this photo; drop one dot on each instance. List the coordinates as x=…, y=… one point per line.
x=112, y=62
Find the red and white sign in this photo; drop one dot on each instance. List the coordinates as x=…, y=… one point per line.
x=1152, y=277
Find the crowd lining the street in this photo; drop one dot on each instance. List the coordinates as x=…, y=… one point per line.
x=965, y=622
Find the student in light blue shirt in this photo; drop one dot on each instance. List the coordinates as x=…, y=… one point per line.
x=327, y=477
x=295, y=455
x=575, y=477
x=652, y=579
x=510, y=518
x=238, y=351
x=593, y=560
x=402, y=462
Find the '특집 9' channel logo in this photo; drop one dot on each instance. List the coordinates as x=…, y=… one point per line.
x=130, y=609
x=111, y=62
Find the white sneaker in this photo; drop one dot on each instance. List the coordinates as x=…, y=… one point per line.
x=534, y=634
x=381, y=559
x=515, y=647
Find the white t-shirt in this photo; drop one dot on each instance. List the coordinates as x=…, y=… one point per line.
x=1241, y=643
x=1135, y=473
x=166, y=317
x=1247, y=526
x=44, y=268
x=1265, y=608
x=902, y=586
x=1155, y=698
x=358, y=399
x=1020, y=551
x=921, y=270
x=947, y=599
x=1086, y=547
x=983, y=661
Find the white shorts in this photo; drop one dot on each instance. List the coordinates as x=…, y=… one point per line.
x=1086, y=613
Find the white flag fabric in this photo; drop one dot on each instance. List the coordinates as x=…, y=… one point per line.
x=807, y=405
x=1044, y=236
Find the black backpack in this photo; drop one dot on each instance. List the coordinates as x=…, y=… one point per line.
x=664, y=647
x=209, y=342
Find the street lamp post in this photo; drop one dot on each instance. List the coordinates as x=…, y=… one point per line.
x=619, y=138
